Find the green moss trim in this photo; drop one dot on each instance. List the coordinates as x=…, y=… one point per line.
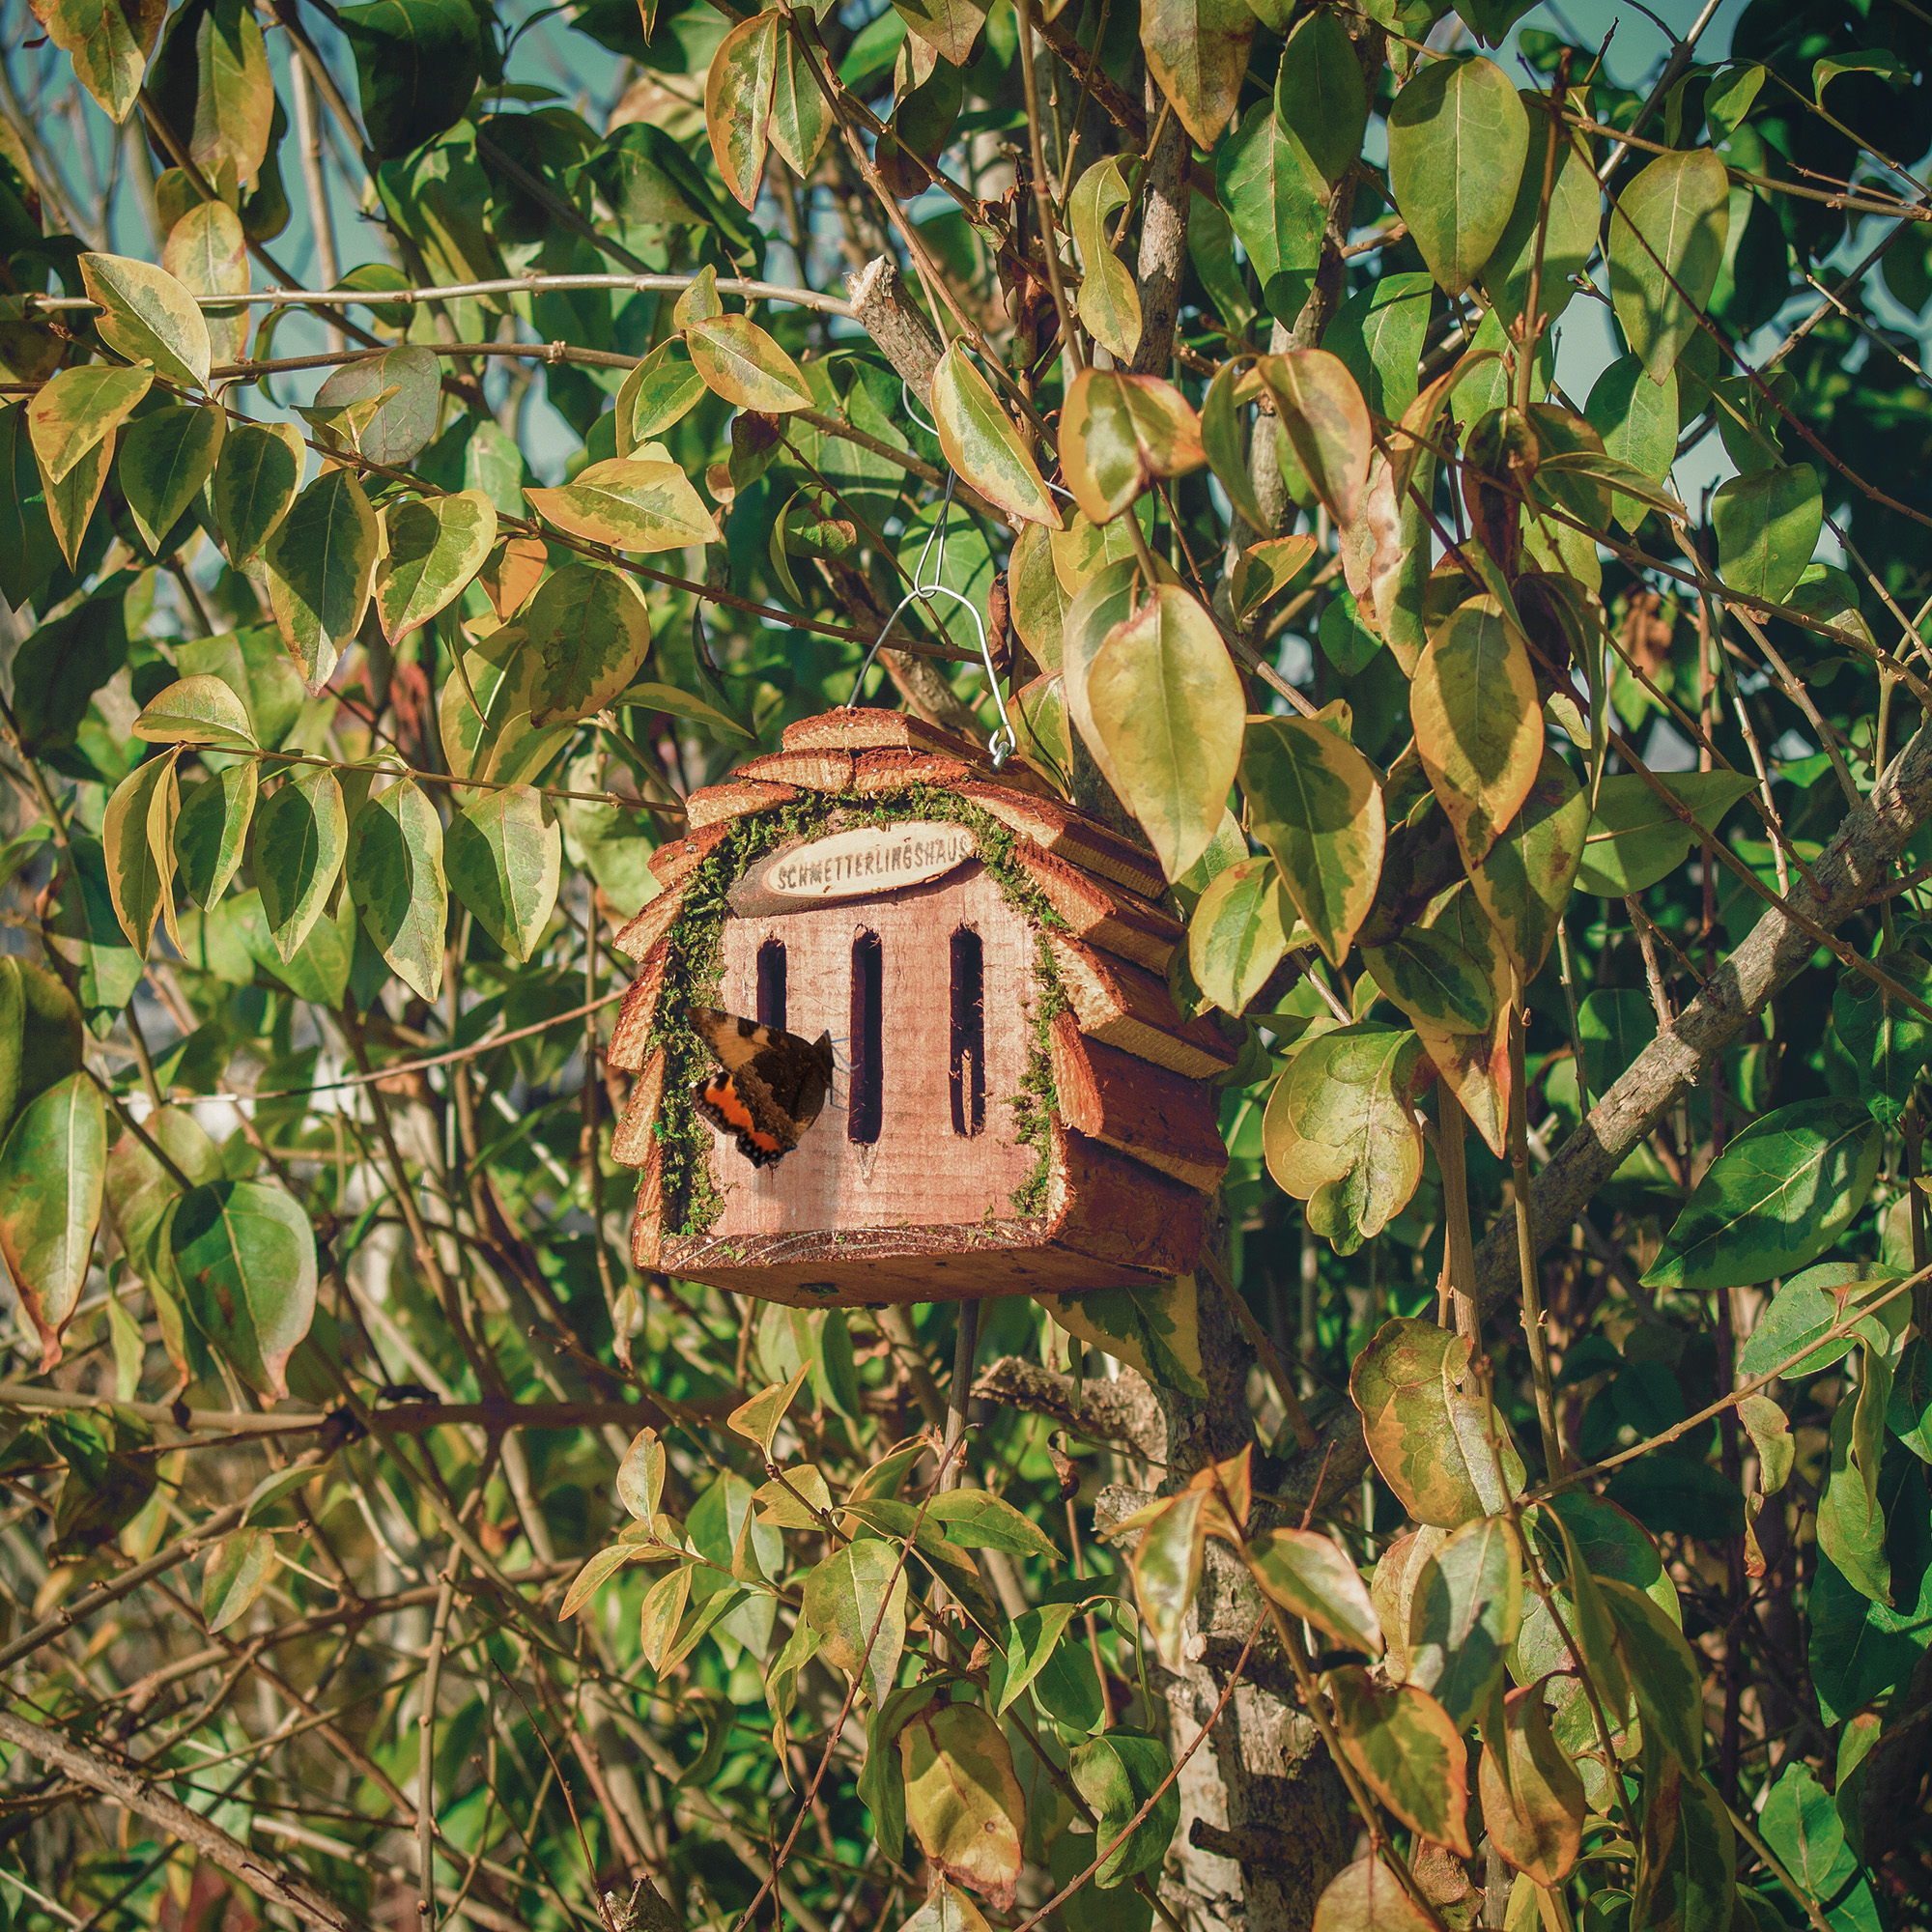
x=692, y=977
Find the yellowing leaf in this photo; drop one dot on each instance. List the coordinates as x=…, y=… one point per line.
x=504, y=855
x=948, y=27
x=395, y=876
x=199, y=710
x=757, y=1420
x=1326, y=421
x=741, y=362
x=140, y=870
x=1166, y=701
x=631, y=504
x=591, y=631
x=1407, y=1752
x=75, y=410
x=109, y=40
x=435, y=547
x=1533, y=1803
x=738, y=102
x=235, y=1573
x=1109, y=303
x=981, y=443
x=1478, y=726
x=855, y=1597
x=1116, y=431
x=1238, y=933
x=1313, y=801
x=148, y=317
x=962, y=1800
x=1368, y=1897
x=1310, y=1577
x=52, y=1171
x=1197, y=52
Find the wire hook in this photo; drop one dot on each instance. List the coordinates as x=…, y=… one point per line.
x=1003, y=742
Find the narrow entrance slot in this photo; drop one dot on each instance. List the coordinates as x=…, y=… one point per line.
x=968, y=1067
x=772, y=985
x=866, y=1106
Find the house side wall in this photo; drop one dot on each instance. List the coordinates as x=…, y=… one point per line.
x=919, y=1172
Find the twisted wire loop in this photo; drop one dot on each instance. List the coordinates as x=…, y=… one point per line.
x=1003, y=742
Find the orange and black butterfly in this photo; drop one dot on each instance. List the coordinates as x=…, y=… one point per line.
x=770, y=1087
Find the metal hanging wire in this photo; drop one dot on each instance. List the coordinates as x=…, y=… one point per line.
x=1003, y=742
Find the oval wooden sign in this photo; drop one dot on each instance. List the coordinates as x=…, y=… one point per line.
x=852, y=864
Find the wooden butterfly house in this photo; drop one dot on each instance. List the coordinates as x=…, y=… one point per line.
x=901, y=1032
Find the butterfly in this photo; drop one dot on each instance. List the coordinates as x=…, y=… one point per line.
x=770, y=1087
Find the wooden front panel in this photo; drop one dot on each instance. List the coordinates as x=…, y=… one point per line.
x=919, y=1171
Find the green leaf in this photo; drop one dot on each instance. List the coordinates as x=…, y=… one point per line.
x=1464, y=1616
x=1457, y=138
x=322, y=560
x=165, y=457
x=1801, y=1824
x=214, y=86
x=981, y=442
x=405, y=383
x=245, y=1258
x=256, y=477
x=1030, y=1640
x=75, y=412
x=1166, y=1566
x=1155, y=1330
x=962, y=1800
x=1313, y=801
x=1436, y=982
x=1117, y=1774
x=1225, y=447
x=1524, y=883
x=395, y=877
x=1326, y=422
x=1409, y=1752
x=1888, y=1045
x=1638, y=420
x=137, y=841
x=591, y=631
x=84, y=934
x=53, y=1166
x=1165, y=700
x=1569, y=238
x=656, y=395
x=198, y=710
x=1339, y=1132
x=234, y=1574
x=435, y=547
x=1635, y=840
x=1775, y=1199
x=1377, y=333
x=631, y=504
x=147, y=316
x=504, y=856
x=1238, y=934
x=853, y=1592
x=1768, y=525
x=1277, y=204
x=801, y=116
x=1686, y=1855
x=40, y=1035
x=1852, y=1527
x=640, y=1476
x=1667, y=232
x=417, y=63
x=1311, y=1576
x=1367, y=1896
x=1109, y=303
x=28, y=551
x=1428, y=1434
x=1809, y=1305
x=1197, y=52
x=212, y=830
x=300, y=834
x=976, y=1519
x=1478, y=724
x=1318, y=94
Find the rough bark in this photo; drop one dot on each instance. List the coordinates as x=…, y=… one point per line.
x=1163, y=256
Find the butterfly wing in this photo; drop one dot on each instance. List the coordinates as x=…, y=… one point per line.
x=772, y=1084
